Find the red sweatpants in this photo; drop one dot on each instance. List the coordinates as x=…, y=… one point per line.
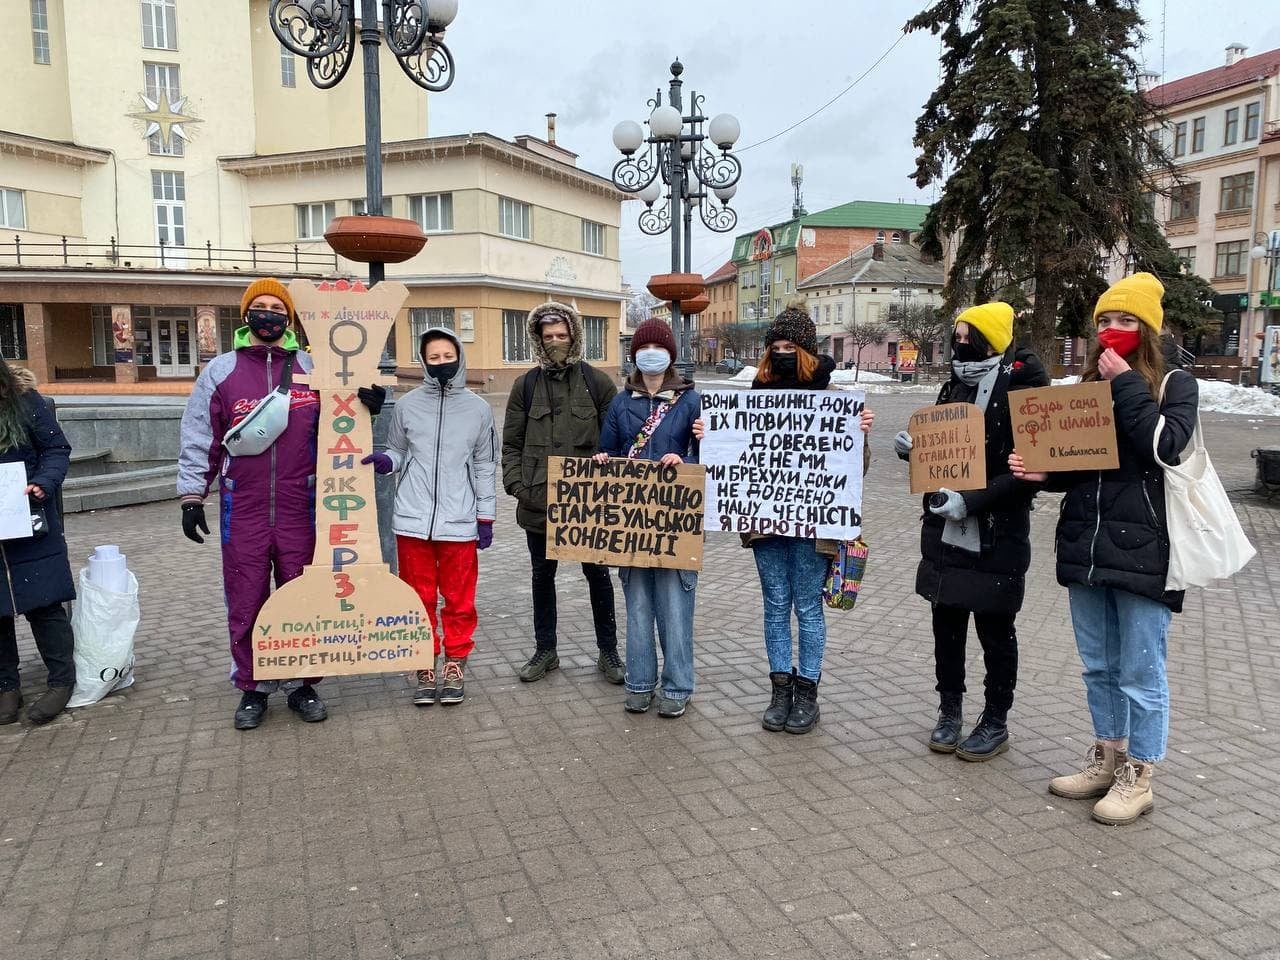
x=448, y=569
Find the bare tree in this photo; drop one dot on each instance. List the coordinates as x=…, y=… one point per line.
x=640, y=307
x=919, y=325
x=862, y=334
x=735, y=338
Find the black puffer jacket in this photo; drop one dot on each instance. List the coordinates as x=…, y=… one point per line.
x=1112, y=530
x=993, y=580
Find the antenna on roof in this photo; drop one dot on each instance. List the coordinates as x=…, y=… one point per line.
x=797, y=181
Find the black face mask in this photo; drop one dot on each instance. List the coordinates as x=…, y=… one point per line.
x=443, y=372
x=966, y=353
x=267, y=325
x=784, y=365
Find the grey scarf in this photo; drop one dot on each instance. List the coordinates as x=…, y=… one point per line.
x=983, y=374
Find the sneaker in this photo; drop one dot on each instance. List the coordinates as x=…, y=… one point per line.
x=253, y=707
x=306, y=703
x=610, y=664
x=670, y=707
x=638, y=702
x=425, y=695
x=451, y=689
x=539, y=665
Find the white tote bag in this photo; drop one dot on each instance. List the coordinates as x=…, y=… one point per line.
x=1206, y=542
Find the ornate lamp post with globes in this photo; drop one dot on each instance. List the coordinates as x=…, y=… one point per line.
x=689, y=158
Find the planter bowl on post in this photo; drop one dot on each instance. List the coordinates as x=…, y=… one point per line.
x=695, y=305
x=676, y=286
x=375, y=239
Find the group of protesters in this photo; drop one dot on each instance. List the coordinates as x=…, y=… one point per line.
x=1112, y=544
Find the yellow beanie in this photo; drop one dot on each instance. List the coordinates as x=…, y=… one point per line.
x=271, y=287
x=994, y=321
x=1138, y=295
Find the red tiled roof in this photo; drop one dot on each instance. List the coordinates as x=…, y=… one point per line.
x=1219, y=78
x=727, y=272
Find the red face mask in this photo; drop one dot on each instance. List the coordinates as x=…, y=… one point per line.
x=1123, y=342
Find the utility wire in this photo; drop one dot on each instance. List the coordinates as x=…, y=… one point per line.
x=803, y=120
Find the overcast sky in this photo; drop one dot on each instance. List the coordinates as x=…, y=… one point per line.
x=595, y=63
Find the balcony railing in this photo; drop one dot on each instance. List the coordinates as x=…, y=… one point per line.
x=163, y=256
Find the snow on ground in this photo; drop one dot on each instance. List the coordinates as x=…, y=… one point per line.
x=844, y=378
x=1218, y=396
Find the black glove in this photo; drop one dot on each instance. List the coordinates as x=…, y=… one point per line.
x=373, y=398
x=193, y=520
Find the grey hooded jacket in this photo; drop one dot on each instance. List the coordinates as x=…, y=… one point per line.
x=443, y=443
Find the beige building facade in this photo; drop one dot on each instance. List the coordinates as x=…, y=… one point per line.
x=150, y=165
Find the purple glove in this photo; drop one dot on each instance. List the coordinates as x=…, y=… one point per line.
x=381, y=462
x=485, y=528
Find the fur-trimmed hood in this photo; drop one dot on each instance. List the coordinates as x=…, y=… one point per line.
x=541, y=312
x=26, y=379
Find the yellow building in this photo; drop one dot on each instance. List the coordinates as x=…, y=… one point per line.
x=145, y=175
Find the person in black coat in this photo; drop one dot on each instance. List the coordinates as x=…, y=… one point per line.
x=36, y=570
x=1113, y=553
x=975, y=545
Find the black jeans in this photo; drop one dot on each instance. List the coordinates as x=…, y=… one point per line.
x=999, y=650
x=599, y=583
x=54, y=640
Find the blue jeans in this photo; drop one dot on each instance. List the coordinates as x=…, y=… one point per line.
x=664, y=597
x=1122, y=642
x=792, y=573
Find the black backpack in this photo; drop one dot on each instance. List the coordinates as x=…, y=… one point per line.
x=532, y=378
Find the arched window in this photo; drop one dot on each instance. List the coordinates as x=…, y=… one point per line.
x=897, y=237
x=879, y=236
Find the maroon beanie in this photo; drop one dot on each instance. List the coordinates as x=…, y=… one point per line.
x=656, y=332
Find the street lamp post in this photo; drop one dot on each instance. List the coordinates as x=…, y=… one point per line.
x=1267, y=250
x=690, y=158
x=324, y=33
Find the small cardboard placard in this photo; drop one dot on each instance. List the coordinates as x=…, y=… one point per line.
x=948, y=448
x=625, y=513
x=15, y=507
x=1065, y=428
x=784, y=462
x=346, y=613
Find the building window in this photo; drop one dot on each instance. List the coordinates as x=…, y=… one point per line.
x=228, y=319
x=1180, y=139
x=288, y=69
x=432, y=211
x=1232, y=130
x=1197, y=135
x=358, y=207
x=104, y=348
x=422, y=319
x=1252, y=116
x=593, y=342
x=1231, y=258
x=13, y=332
x=840, y=312
x=515, y=337
x=593, y=237
x=879, y=236
x=163, y=79
x=897, y=237
x=313, y=218
x=160, y=24
x=1236, y=192
x=1184, y=201
x=40, y=31
x=13, y=209
x=1188, y=257
x=169, y=200
x=513, y=219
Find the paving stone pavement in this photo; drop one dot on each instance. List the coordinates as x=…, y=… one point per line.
x=540, y=820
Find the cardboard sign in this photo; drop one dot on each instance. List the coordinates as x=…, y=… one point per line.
x=347, y=613
x=784, y=462
x=625, y=513
x=949, y=448
x=1065, y=428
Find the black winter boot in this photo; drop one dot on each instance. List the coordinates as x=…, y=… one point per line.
x=10, y=701
x=51, y=703
x=804, y=706
x=946, y=734
x=989, y=738
x=775, y=716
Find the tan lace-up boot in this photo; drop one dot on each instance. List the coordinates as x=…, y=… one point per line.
x=1100, y=762
x=1129, y=797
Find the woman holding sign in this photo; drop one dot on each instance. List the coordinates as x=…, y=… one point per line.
x=975, y=545
x=1113, y=553
x=652, y=419
x=792, y=570
x=35, y=565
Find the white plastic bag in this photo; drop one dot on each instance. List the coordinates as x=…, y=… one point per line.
x=104, y=623
x=1206, y=542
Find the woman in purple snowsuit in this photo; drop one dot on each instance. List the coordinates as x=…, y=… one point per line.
x=267, y=499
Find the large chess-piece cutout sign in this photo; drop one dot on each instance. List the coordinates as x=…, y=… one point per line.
x=347, y=613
